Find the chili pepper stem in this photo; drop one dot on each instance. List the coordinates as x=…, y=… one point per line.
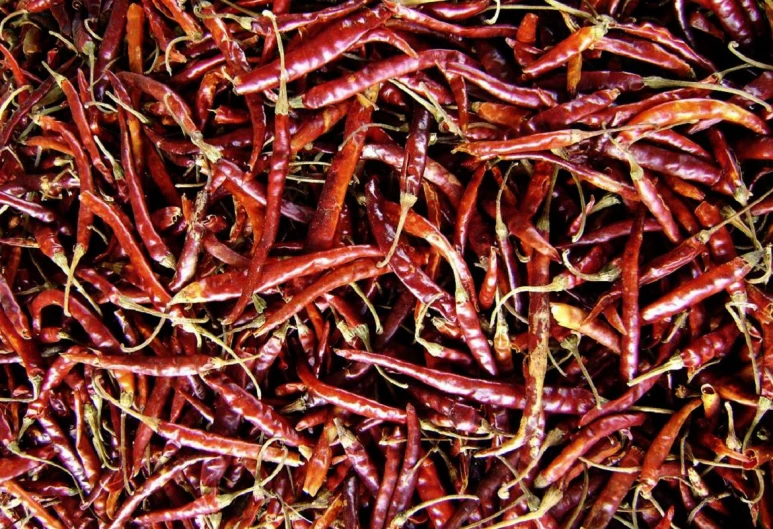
x=558, y=284
x=608, y=274
x=402, y=518
x=407, y=202
x=150, y=422
x=763, y=406
x=673, y=364
x=549, y=500
x=733, y=47
x=61, y=261
x=660, y=82
x=572, y=344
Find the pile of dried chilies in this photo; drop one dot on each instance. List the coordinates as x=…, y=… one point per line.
x=386, y=264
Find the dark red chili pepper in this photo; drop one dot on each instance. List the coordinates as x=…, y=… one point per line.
x=321, y=49
x=555, y=400
x=629, y=353
x=574, y=44
x=583, y=442
x=341, y=89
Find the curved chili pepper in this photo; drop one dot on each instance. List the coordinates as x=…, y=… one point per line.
x=513, y=94
x=584, y=441
x=111, y=217
x=661, y=446
x=100, y=335
x=612, y=495
x=254, y=411
x=153, y=484
x=349, y=401
x=574, y=44
x=646, y=51
x=577, y=319
x=687, y=110
x=733, y=19
x=323, y=48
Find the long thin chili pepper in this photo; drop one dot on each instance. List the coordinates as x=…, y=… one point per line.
x=35, y=508
x=612, y=495
x=583, y=442
x=323, y=226
x=153, y=484
x=254, y=411
x=661, y=446
x=414, y=162
x=350, y=401
x=687, y=110
x=323, y=48
x=408, y=473
x=629, y=347
x=555, y=400
x=700, y=288
x=109, y=214
x=392, y=467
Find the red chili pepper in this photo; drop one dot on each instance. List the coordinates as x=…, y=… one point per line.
x=584, y=441
x=109, y=214
x=700, y=288
x=513, y=94
x=342, y=88
x=349, y=401
x=576, y=43
x=733, y=19
x=323, y=48
x=661, y=446
x=646, y=51
x=556, y=400
x=361, y=461
x=687, y=110
x=629, y=353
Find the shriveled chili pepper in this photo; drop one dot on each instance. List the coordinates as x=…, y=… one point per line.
x=323, y=48
x=629, y=347
x=698, y=289
x=112, y=218
x=556, y=400
x=661, y=446
x=583, y=442
x=576, y=43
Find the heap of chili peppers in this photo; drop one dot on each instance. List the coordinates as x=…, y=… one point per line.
x=386, y=264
